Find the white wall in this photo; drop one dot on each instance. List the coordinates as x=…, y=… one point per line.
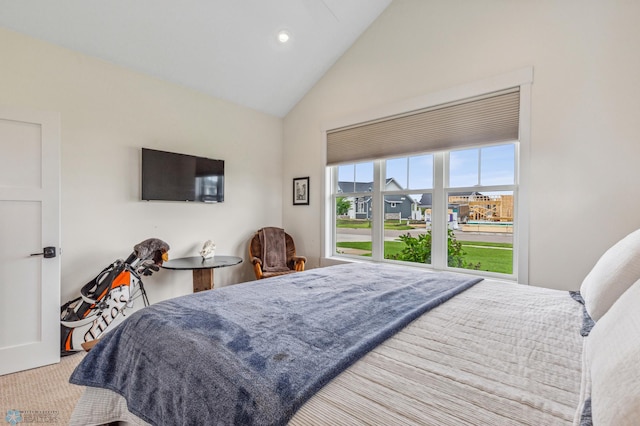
x=585, y=135
x=108, y=114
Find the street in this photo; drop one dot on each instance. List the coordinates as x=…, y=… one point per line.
x=364, y=234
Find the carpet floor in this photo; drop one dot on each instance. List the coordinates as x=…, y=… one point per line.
x=41, y=395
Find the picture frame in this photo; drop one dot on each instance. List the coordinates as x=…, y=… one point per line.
x=301, y=191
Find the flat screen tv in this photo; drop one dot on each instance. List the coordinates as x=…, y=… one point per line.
x=168, y=176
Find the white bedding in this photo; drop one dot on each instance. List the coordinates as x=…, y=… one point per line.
x=499, y=353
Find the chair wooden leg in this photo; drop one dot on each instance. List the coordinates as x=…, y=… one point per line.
x=258, y=270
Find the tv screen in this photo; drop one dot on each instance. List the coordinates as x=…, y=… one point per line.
x=168, y=176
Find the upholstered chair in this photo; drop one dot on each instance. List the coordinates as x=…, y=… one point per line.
x=273, y=252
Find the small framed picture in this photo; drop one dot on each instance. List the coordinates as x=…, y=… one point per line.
x=301, y=191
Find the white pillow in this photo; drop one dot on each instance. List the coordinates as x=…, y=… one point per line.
x=615, y=271
x=613, y=357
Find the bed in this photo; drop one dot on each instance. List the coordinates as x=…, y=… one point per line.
x=479, y=352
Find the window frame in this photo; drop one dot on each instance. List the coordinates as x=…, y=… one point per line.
x=523, y=79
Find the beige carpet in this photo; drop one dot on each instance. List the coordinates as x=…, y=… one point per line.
x=42, y=395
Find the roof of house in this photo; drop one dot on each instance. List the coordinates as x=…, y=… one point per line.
x=344, y=186
x=427, y=199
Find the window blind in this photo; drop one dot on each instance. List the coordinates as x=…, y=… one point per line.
x=488, y=119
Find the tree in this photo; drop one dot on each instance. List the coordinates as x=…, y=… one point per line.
x=342, y=206
x=419, y=250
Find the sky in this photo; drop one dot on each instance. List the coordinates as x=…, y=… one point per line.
x=493, y=165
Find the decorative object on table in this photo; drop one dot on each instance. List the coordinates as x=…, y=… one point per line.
x=273, y=252
x=208, y=250
x=301, y=191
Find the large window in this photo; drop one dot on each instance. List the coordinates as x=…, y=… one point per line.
x=450, y=209
x=439, y=180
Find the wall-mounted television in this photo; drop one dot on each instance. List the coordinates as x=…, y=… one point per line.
x=168, y=176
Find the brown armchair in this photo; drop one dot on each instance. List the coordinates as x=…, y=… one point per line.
x=273, y=252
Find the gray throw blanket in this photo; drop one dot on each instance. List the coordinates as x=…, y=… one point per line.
x=587, y=322
x=253, y=353
x=274, y=250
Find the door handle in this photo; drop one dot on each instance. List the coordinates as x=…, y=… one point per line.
x=47, y=252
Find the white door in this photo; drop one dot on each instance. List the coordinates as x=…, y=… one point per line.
x=29, y=222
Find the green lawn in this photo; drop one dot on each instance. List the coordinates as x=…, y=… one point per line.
x=492, y=256
x=490, y=259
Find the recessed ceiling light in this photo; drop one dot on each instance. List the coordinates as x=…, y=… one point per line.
x=283, y=36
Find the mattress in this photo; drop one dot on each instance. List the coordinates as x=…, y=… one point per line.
x=498, y=353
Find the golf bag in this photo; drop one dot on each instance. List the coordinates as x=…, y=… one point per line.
x=103, y=300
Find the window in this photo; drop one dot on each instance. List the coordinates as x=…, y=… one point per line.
x=408, y=184
x=474, y=219
x=447, y=180
x=353, y=209
x=481, y=208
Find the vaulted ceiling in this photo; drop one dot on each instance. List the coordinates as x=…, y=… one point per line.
x=225, y=48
